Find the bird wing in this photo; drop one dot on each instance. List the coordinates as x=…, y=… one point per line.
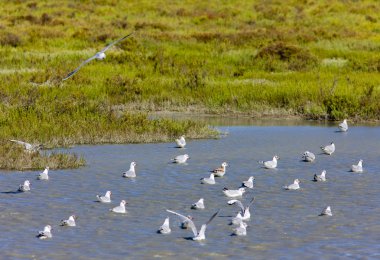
x=117, y=41
x=212, y=217
x=237, y=202
x=184, y=218
x=20, y=142
x=77, y=69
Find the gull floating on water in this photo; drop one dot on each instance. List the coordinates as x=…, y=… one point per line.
x=249, y=182
x=343, y=126
x=321, y=177
x=120, y=208
x=70, y=222
x=237, y=220
x=245, y=214
x=106, y=198
x=46, y=233
x=44, y=175
x=131, y=173
x=185, y=223
x=271, y=164
x=308, y=156
x=210, y=180
x=165, y=228
x=220, y=171
x=181, y=158
x=358, y=167
x=31, y=148
x=328, y=149
x=294, y=186
x=99, y=56
x=326, y=212
x=24, y=187
x=241, y=230
x=197, y=235
x=199, y=204
x=181, y=142
x=234, y=193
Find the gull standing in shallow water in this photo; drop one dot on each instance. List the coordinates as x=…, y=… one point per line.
x=326, y=212
x=24, y=187
x=210, y=180
x=233, y=193
x=358, y=167
x=131, y=173
x=199, y=204
x=99, y=56
x=220, y=171
x=31, y=148
x=271, y=164
x=181, y=158
x=106, y=198
x=245, y=214
x=308, y=156
x=46, y=233
x=165, y=228
x=321, y=177
x=44, y=175
x=197, y=235
x=181, y=142
x=294, y=186
x=343, y=127
x=120, y=208
x=249, y=182
x=328, y=149
x=70, y=222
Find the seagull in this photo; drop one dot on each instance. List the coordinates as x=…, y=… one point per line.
x=329, y=149
x=326, y=212
x=24, y=187
x=321, y=177
x=308, y=156
x=197, y=235
x=120, y=208
x=31, y=148
x=210, y=180
x=358, y=167
x=237, y=220
x=220, y=171
x=165, y=228
x=69, y=222
x=199, y=204
x=131, y=172
x=46, y=233
x=234, y=193
x=106, y=198
x=99, y=56
x=181, y=158
x=185, y=222
x=44, y=175
x=271, y=164
x=294, y=186
x=241, y=230
x=245, y=214
x=343, y=127
x=249, y=182
x=181, y=142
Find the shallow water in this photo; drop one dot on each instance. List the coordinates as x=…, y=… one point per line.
x=284, y=224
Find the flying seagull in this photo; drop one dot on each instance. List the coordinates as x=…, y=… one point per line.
x=28, y=147
x=99, y=55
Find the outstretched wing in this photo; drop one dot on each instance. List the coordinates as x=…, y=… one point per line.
x=237, y=202
x=115, y=42
x=20, y=142
x=184, y=218
x=212, y=217
x=77, y=69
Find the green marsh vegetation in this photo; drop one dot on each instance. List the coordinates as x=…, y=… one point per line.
x=313, y=59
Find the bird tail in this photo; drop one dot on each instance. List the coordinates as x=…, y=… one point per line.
x=261, y=162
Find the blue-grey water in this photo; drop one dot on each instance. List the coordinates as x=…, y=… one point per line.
x=284, y=224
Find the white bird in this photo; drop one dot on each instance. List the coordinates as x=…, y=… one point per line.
x=249, y=182
x=28, y=147
x=210, y=180
x=70, y=222
x=99, y=56
x=46, y=233
x=358, y=167
x=294, y=186
x=44, y=175
x=181, y=142
x=343, y=126
x=271, y=164
x=25, y=186
x=220, y=171
x=237, y=220
x=106, y=198
x=326, y=212
x=234, y=193
x=185, y=223
x=308, y=156
x=131, y=173
x=245, y=214
x=120, y=208
x=197, y=235
x=241, y=230
x=165, y=228
x=199, y=204
x=321, y=177
x=328, y=149
x=181, y=158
